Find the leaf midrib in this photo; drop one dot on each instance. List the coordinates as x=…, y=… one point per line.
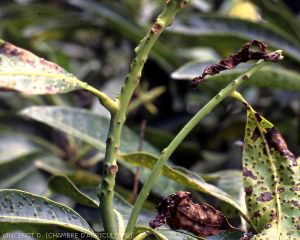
x=274, y=172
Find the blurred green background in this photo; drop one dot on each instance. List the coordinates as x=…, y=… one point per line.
x=95, y=41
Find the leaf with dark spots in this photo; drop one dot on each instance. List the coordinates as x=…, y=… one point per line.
x=248, y=190
x=296, y=204
x=248, y=173
x=265, y=197
x=257, y=116
x=245, y=54
x=179, y=212
x=255, y=134
x=276, y=141
x=27, y=57
x=280, y=189
x=271, y=181
x=21, y=70
x=23, y=211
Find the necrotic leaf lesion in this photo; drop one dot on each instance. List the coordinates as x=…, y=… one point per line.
x=179, y=212
x=245, y=54
x=276, y=141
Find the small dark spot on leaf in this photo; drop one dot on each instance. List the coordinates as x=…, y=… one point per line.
x=273, y=215
x=255, y=134
x=280, y=189
x=264, y=197
x=257, y=214
x=294, y=189
x=248, y=173
x=268, y=226
x=290, y=168
x=258, y=117
x=296, y=203
x=249, y=190
x=264, y=209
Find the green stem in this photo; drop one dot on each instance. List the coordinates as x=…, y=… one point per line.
x=166, y=153
x=118, y=115
x=106, y=101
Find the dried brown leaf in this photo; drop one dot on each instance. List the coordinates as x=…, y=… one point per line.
x=179, y=212
x=243, y=55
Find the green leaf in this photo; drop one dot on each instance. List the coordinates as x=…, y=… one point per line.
x=84, y=125
x=22, y=71
x=278, y=14
x=63, y=185
x=271, y=180
x=122, y=22
x=12, y=147
x=268, y=77
x=231, y=182
x=66, y=187
x=221, y=32
x=20, y=208
x=79, y=177
x=93, y=128
x=15, y=170
x=82, y=179
x=183, y=177
x=18, y=136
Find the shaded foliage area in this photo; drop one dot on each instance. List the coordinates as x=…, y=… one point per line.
x=94, y=40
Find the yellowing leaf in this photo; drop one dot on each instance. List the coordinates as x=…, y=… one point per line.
x=271, y=181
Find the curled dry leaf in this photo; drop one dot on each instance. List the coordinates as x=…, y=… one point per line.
x=179, y=212
x=243, y=55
